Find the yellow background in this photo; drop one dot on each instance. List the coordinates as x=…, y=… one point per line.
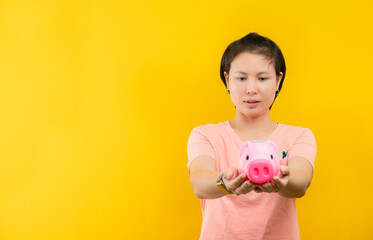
x=98, y=99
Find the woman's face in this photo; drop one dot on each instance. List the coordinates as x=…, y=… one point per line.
x=252, y=78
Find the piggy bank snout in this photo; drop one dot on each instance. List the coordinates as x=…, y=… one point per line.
x=260, y=170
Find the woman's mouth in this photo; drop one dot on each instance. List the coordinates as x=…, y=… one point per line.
x=252, y=104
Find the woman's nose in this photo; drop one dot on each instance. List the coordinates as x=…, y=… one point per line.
x=251, y=87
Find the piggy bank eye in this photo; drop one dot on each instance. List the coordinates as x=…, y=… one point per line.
x=247, y=157
x=271, y=156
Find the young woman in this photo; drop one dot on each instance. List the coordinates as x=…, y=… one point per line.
x=253, y=71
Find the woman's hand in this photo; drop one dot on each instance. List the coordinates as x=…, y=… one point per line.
x=233, y=181
x=276, y=183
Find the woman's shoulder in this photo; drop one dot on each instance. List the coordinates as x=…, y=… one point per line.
x=295, y=130
x=211, y=128
x=292, y=127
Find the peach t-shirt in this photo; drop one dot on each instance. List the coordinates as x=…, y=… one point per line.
x=252, y=215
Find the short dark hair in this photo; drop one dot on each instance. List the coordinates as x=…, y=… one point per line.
x=254, y=43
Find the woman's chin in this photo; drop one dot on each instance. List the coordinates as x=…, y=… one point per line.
x=251, y=114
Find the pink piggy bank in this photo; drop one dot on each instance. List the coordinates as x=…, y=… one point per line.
x=259, y=161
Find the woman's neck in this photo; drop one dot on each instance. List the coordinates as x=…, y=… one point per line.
x=252, y=125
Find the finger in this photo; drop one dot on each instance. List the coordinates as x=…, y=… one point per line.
x=235, y=183
x=245, y=188
x=229, y=175
x=267, y=187
x=281, y=182
x=284, y=170
x=272, y=186
x=240, y=190
x=263, y=188
x=257, y=189
x=275, y=187
x=250, y=187
x=235, y=173
x=277, y=182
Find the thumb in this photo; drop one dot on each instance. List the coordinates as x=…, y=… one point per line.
x=278, y=182
x=232, y=173
x=228, y=174
x=235, y=173
x=284, y=170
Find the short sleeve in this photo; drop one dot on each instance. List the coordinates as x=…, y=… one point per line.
x=198, y=145
x=304, y=146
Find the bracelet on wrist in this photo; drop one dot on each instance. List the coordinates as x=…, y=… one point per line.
x=221, y=185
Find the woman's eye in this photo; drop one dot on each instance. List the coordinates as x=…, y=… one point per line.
x=242, y=78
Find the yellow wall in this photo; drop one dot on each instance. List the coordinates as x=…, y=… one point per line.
x=98, y=98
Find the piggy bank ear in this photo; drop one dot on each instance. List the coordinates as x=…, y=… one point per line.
x=272, y=145
x=244, y=147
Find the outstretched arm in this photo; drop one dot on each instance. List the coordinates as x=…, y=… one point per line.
x=298, y=176
x=203, y=179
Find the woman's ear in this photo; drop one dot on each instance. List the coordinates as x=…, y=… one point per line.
x=279, y=78
x=226, y=79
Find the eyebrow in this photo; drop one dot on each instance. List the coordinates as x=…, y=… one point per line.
x=245, y=72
